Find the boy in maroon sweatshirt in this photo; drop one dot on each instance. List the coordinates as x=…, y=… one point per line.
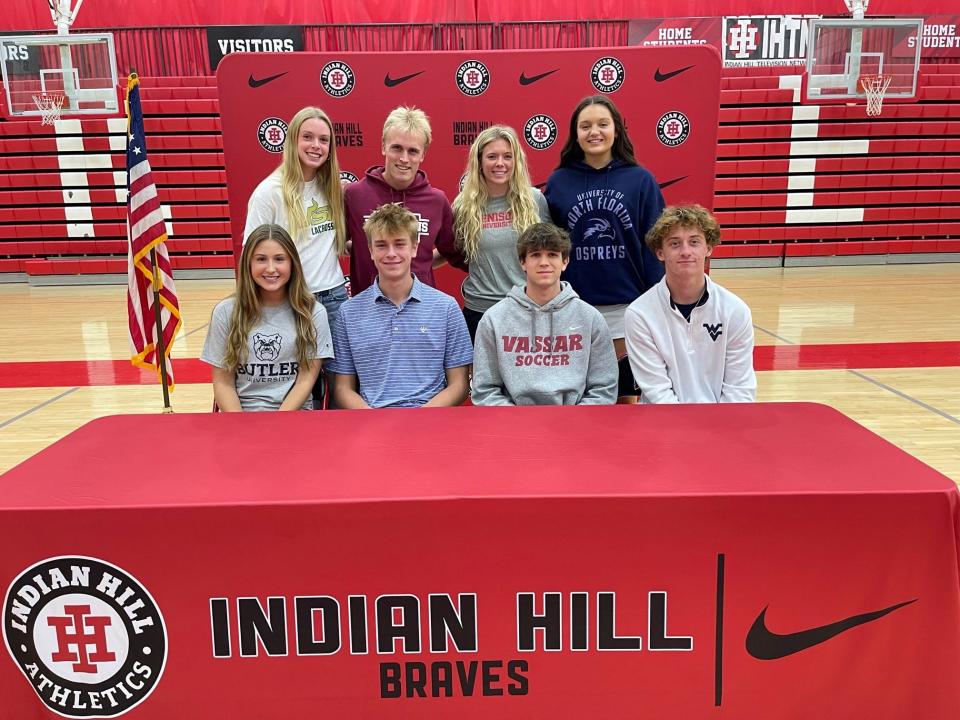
x=406, y=137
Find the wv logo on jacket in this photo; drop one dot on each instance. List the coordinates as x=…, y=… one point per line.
x=714, y=330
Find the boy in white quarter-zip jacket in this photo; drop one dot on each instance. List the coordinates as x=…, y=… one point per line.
x=689, y=340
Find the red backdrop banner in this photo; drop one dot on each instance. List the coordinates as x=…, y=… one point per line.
x=669, y=98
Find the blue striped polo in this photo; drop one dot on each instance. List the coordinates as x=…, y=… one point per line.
x=400, y=353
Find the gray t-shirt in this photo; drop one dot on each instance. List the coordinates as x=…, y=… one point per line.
x=496, y=269
x=270, y=370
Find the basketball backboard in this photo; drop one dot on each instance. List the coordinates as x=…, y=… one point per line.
x=81, y=67
x=841, y=51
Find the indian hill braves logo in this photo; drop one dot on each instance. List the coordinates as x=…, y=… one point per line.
x=607, y=74
x=266, y=347
x=337, y=79
x=473, y=78
x=88, y=636
x=540, y=132
x=714, y=330
x=271, y=134
x=673, y=128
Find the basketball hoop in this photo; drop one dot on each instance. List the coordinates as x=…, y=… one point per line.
x=49, y=106
x=857, y=8
x=874, y=87
x=62, y=15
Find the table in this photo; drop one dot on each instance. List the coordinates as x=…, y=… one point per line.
x=736, y=561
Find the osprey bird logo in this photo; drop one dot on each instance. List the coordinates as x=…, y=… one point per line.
x=600, y=228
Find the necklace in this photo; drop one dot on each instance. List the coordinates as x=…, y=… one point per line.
x=692, y=307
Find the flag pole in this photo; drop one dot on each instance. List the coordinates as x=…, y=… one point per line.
x=157, y=315
x=147, y=246
x=161, y=349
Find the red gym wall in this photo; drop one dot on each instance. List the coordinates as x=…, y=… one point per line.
x=795, y=183
x=672, y=122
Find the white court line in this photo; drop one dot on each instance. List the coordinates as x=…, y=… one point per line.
x=873, y=381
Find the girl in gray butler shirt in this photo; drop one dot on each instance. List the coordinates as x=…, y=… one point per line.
x=497, y=203
x=267, y=341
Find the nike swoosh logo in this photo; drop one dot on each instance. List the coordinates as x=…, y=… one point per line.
x=668, y=183
x=393, y=82
x=766, y=645
x=254, y=83
x=524, y=80
x=660, y=77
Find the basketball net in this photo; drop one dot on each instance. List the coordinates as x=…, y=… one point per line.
x=49, y=106
x=874, y=87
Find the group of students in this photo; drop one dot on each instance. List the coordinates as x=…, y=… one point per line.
x=633, y=315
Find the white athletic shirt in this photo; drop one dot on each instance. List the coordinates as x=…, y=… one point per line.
x=316, y=243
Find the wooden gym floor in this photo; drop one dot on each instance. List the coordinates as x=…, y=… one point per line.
x=879, y=343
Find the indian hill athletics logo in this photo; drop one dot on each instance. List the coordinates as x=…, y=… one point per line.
x=607, y=74
x=540, y=132
x=271, y=134
x=88, y=637
x=673, y=128
x=337, y=79
x=473, y=78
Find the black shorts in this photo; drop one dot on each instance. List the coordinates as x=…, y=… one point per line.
x=473, y=319
x=626, y=385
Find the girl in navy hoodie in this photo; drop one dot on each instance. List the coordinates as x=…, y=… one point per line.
x=607, y=202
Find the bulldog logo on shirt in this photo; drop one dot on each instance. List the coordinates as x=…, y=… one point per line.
x=266, y=347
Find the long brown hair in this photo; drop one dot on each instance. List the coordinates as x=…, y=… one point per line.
x=247, y=305
x=622, y=147
x=327, y=179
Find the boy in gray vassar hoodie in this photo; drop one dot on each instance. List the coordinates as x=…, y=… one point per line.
x=542, y=344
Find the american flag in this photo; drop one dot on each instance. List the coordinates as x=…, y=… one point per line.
x=147, y=232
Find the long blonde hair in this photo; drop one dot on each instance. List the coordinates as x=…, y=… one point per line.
x=247, y=307
x=327, y=179
x=470, y=204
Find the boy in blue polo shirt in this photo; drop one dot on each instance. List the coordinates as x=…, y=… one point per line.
x=399, y=343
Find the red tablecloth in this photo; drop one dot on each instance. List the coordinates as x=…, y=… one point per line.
x=756, y=561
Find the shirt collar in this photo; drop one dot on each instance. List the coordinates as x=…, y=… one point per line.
x=701, y=301
x=416, y=292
